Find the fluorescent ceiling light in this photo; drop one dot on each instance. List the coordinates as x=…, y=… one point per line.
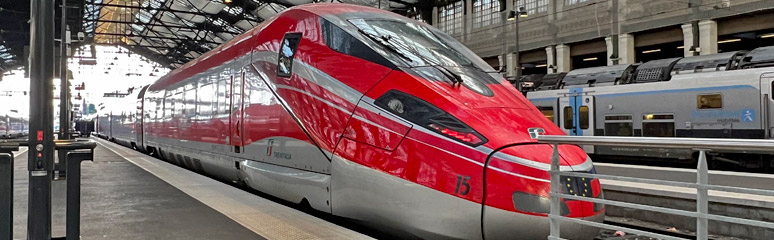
x=590, y=59
x=767, y=35
x=652, y=51
x=541, y=65
x=680, y=47
x=730, y=40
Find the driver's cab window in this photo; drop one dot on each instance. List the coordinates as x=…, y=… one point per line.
x=287, y=52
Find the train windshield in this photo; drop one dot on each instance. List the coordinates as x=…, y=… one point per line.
x=419, y=45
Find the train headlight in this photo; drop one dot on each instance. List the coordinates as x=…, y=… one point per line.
x=395, y=105
x=526, y=202
x=428, y=116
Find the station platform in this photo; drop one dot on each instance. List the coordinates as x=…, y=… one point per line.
x=129, y=195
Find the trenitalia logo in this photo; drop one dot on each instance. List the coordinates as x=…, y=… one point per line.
x=276, y=154
x=269, y=147
x=535, y=132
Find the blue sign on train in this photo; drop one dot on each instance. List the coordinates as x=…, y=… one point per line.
x=748, y=115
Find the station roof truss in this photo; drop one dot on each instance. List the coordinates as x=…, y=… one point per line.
x=169, y=32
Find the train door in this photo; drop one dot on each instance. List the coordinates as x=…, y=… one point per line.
x=767, y=104
x=237, y=111
x=577, y=115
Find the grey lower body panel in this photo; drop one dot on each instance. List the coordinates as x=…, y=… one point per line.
x=368, y=195
x=289, y=184
x=503, y=224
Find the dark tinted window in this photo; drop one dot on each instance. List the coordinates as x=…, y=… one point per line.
x=548, y=112
x=619, y=125
x=343, y=42
x=567, y=118
x=583, y=113
x=414, y=41
x=286, y=53
x=709, y=101
x=658, y=125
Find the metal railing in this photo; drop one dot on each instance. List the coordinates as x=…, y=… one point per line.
x=702, y=186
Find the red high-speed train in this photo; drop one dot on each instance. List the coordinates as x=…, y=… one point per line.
x=13, y=125
x=367, y=115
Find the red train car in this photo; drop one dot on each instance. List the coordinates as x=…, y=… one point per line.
x=367, y=115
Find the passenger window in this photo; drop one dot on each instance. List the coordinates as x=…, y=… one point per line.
x=583, y=117
x=658, y=125
x=287, y=53
x=548, y=112
x=709, y=101
x=619, y=125
x=567, y=117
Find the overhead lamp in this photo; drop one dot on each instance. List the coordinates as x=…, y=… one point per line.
x=511, y=15
x=730, y=40
x=694, y=49
x=227, y=1
x=768, y=35
x=521, y=13
x=541, y=65
x=681, y=47
x=590, y=59
x=652, y=51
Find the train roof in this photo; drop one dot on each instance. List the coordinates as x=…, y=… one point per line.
x=228, y=51
x=750, y=77
x=708, y=63
x=598, y=76
x=655, y=70
x=759, y=57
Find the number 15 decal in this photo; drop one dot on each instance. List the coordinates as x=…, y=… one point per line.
x=463, y=182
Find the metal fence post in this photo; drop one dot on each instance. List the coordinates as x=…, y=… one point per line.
x=75, y=152
x=702, y=197
x=555, y=189
x=6, y=196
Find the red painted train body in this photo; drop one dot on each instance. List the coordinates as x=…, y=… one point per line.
x=367, y=115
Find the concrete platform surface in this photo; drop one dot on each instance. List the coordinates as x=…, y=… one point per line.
x=129, y=195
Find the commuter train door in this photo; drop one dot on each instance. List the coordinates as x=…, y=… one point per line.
x=237, y=111
x=577, y=114
x=767, y=105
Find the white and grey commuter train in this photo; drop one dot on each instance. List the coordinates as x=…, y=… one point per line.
x=726, y=95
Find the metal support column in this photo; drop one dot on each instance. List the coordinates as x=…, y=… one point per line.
x=64, y=101
x=64, y=89
x=6, y=189
x=517, y=56
x=41, y=140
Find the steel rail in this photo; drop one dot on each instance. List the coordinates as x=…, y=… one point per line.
x=702, y=186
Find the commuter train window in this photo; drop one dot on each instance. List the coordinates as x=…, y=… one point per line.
x=567, y=117
x=286, y=54
x=709, y=101
x=658, y=125
x=619, y=125
x=548, y=112
x=583, y=117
